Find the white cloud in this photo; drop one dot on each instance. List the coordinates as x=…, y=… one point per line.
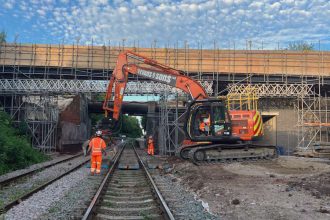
x=122, y=10
x=9, y=4
x=171, y=21
x=275, y=6
x=41, y=12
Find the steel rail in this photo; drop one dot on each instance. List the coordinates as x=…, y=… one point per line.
x=163, y=203
x=91, y=206
x=10, y=179
x=26, y=195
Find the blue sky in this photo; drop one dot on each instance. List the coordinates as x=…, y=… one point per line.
x=266, y=23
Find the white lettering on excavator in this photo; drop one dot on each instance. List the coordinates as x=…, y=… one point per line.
x=157, y=76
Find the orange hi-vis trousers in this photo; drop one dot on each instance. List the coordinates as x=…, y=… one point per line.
x=151, y=148
x=96, y=163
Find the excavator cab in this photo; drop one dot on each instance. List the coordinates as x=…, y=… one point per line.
x=208, y=120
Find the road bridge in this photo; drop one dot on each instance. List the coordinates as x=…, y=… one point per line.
x=35, y=69
x=98, y=61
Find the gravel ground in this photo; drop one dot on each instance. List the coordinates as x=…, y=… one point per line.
x=183, y=204
x=74, y=202
x=45, y=203
x=26, y=184
x=33, y=167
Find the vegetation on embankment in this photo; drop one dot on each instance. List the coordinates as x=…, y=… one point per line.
x=15, y=150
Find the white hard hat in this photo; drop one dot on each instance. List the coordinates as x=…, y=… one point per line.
x=98, y=133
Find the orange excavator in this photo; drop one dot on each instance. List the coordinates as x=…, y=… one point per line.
x=226, y=135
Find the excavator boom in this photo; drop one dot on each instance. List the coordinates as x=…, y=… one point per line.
x=155, y=72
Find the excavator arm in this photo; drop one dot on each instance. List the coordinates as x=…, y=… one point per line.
x=155, y=72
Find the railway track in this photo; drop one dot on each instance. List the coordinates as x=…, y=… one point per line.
x=128, y=191
x=8, y=179
x=15, y=189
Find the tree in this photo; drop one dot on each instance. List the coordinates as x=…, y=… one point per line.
x=3, y=36
x=301, y=46
x=131, y=127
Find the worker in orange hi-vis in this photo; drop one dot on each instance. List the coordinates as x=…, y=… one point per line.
x=151, y=146
x=202, y=127
x=97, y=146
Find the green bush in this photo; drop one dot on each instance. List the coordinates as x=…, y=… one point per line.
x=15, y=150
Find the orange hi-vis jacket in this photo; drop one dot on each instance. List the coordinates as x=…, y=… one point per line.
x=96, y=145
x=151, y=147
x=150, y=141
x=202, y=126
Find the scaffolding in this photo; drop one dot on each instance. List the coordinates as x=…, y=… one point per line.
x=246, y=99
x=67, y=86
x=312, y=109
x=313, y=122
x=28, y=71
x=37, y=114
x=96, y=62
x=171, y=119
x=272, y=90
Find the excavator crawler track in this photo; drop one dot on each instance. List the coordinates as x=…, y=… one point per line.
x=222, y=153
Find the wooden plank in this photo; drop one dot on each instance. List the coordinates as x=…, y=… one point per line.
x=309, y=63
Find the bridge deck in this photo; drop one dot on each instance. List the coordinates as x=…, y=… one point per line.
x=263, y=62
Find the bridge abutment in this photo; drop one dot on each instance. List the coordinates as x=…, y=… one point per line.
x=280, y=123
x=74, y=123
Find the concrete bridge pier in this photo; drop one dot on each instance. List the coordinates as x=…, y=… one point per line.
x=74, y=125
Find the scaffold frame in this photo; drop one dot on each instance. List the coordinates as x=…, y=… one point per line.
x=313, y=121
x=39, y=113
x=61, y=86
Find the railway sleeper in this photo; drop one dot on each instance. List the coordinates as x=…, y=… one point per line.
x=130, y=198
x=143, y=217
x=131, y=211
